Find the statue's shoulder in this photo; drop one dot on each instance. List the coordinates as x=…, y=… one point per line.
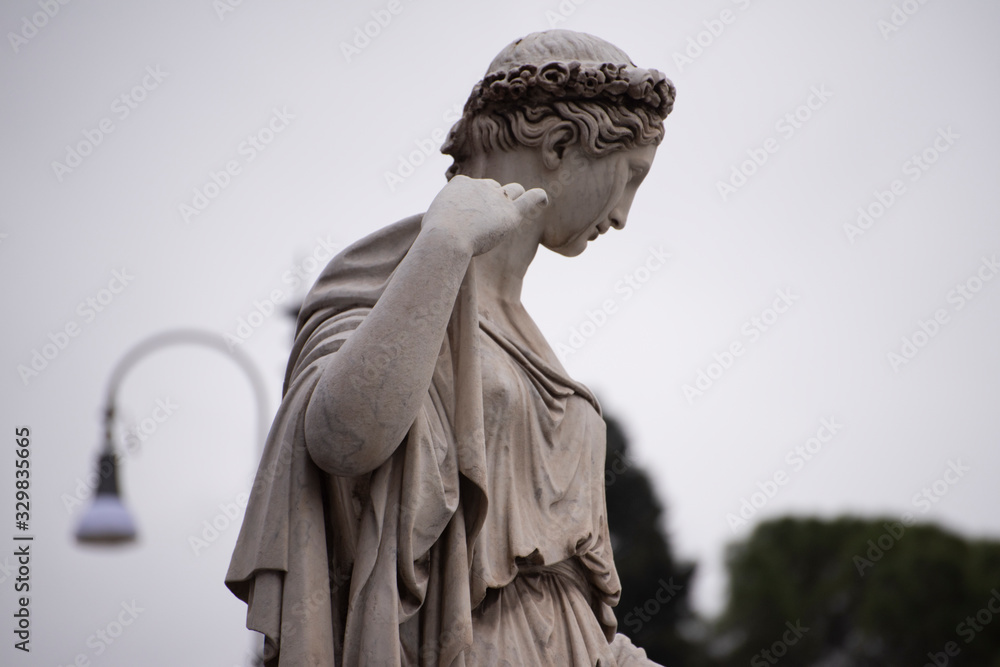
x=359, y=273
x=389, y=241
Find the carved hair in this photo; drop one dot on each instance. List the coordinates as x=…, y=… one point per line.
x=567, y=83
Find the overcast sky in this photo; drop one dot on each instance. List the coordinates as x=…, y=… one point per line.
x=782, y=312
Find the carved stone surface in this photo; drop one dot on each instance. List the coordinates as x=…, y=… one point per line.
x=432, y=487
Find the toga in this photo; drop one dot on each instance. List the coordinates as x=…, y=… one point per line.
x=482, y=540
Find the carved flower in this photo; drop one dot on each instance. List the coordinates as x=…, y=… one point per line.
x=498, y=89
x=527, y=71
x=616, y=88
x=666, y=93
x=591, y=82
x=518, y=87
x=640, y=86
x=493, y=76
x=553, y=76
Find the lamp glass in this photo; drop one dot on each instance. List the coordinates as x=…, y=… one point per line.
x=106, y=521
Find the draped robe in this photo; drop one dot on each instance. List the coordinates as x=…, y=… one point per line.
x=482, y=538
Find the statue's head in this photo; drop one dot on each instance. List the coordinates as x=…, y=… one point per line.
x=557, y=89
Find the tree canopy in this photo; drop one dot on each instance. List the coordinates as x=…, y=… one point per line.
x=869, y=591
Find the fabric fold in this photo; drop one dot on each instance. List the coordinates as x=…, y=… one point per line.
x=388, y=568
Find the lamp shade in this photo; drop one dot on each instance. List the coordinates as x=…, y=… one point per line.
x=106, y=521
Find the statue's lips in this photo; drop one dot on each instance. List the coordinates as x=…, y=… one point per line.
x=594, y=232
x=600, y=229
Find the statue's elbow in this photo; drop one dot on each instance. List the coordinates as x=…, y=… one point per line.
x=340, y=443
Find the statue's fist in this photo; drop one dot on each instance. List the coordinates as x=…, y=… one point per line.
x=481, y=212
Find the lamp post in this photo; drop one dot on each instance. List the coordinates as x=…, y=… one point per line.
x=107, y=521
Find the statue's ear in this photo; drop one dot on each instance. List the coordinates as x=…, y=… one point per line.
x=557, y=139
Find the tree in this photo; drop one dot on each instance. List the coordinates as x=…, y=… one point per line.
x=861, y=592
x=655, y=588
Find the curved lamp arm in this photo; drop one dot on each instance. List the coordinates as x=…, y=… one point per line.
x=180, y=337
x=107, y=520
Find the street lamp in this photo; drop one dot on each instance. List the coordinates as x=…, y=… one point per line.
x=107, y=521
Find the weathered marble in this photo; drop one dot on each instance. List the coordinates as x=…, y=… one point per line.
x=432, y=488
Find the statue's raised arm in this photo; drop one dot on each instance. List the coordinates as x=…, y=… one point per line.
x=353, y=427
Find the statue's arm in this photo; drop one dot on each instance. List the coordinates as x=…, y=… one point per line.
x=370, y=390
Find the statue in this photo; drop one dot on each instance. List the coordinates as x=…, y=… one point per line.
x=432, y=491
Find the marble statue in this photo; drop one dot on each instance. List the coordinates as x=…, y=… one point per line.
x=432, y=489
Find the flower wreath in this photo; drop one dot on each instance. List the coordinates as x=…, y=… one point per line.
x=531, y=84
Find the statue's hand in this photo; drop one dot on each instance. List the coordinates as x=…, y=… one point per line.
x=479, y=213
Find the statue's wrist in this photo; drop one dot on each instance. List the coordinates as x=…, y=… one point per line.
x=451, y=239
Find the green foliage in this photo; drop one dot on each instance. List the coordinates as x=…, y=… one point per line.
x=845, y=592
x=655, y=587
x=871, y=592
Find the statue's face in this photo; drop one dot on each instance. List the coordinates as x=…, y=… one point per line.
x=595, y=196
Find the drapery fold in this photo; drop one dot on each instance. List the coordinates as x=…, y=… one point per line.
x=387, y=568
x=386, y=534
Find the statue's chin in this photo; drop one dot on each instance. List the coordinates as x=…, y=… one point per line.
x=570, y=249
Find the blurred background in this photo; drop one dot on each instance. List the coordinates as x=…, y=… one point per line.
x=796, y=334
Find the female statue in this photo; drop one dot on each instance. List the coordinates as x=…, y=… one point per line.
x=432, y=488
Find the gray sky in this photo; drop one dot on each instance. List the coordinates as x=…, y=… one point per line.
x=805, y=111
